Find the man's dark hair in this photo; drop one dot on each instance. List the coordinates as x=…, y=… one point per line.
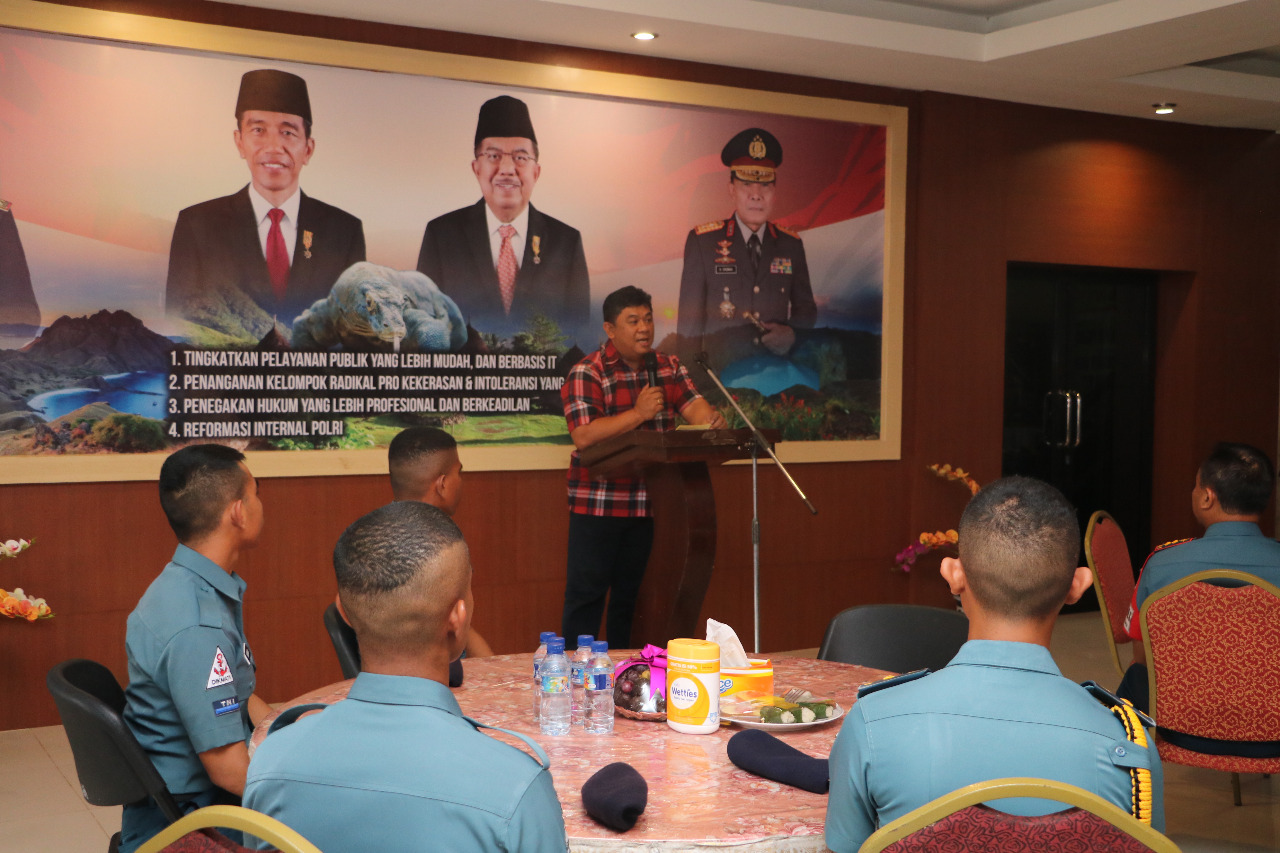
x=1242, y=477
x=623, y=298
x=1019, y=540
x=196, y=485
x=384, y=550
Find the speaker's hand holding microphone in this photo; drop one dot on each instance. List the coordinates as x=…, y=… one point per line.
x=650, y=401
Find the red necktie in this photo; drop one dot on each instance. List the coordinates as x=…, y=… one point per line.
x=277, y=255
x=507, y=267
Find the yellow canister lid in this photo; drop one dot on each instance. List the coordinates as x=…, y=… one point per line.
x=693, y=649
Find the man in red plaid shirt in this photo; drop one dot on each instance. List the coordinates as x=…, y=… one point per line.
x=610, y=520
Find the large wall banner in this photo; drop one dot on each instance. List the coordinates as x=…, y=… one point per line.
x=304, y=254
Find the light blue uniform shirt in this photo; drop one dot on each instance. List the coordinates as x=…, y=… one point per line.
x=396, y=767
x=998, y=709
x=191, y=671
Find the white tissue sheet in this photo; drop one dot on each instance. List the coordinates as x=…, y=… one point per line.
x=732, y=654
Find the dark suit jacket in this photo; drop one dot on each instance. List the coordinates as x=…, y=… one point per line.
x=216, y=244
x=455, y=255
x=17, y=299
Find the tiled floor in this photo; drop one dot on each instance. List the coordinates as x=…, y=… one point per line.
x=41, y=810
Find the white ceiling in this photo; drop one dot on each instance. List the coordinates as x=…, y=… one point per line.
x=1217, y=59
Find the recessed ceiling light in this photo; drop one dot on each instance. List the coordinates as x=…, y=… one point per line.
x=1164, y=109
x=644, y=36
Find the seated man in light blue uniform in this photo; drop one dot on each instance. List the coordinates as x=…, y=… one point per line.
x=1000, y=708
x=396, y=766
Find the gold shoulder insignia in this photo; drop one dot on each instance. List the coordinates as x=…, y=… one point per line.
x=790, y=232
x=4, y=205
x=1139, y=777
x=1170, y=544
x=709, y=227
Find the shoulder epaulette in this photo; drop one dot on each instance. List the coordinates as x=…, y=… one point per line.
x=893, y=681
x=708, y=227
x=790, y=232
x=1111, y=700
x=1170, y=544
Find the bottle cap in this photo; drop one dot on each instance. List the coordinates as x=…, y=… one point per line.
x=599, y=646
x=693, y=649
x=545, y=636
x=585, y=640
x=555, y=646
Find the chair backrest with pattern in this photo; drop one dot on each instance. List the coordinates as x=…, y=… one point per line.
x=1213, y=656
x=1107, y=553
x=194, y=833
x=959, y=822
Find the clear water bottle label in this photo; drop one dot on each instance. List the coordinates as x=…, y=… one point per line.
x=555, y=683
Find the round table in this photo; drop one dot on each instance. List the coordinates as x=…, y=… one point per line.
x=698, y=799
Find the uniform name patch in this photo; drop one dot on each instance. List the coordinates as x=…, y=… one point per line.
x=219, y=673
x=225, y=706
x=726, y=269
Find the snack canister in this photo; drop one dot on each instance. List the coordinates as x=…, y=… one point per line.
x=693, y=686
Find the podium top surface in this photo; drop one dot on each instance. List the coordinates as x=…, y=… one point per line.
x=641, y=447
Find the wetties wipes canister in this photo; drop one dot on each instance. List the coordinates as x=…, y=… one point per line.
x=693, y=681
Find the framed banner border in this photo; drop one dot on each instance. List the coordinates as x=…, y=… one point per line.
x=57, y=20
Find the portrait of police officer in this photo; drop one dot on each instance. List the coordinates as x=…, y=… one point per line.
x=501, y=259
x=270, y=245
x=746, y=276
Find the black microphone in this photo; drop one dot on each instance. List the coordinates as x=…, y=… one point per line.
x=651, y=367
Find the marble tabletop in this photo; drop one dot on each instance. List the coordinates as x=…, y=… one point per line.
x=698, y=799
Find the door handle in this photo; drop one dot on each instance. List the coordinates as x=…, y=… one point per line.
x=1079, y=407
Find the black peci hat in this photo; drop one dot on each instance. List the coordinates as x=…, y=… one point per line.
x=274, y=92
x=753, y=155
x=504, y=116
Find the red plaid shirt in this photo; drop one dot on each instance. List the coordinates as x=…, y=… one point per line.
x=600, y=385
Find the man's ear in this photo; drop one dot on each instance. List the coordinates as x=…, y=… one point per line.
x=1208, y=498
x=235, y=512
x=1080, y=581
x=342, y=611
x=952, y=571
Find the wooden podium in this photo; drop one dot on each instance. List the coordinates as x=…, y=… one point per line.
x=674, y=465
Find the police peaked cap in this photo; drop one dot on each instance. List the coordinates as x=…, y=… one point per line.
x=274, y=91
x=753, y=155
x=504, y=116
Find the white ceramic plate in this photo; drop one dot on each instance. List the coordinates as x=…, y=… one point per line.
x=756, y=723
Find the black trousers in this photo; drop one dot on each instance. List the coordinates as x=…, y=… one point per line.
x=607, y=555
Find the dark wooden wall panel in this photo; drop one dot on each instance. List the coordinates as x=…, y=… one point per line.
x=988, y=183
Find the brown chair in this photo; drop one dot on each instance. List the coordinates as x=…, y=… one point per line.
x=1108, y=556
x=1213, y=666
x=959, y=822
x=195, y=833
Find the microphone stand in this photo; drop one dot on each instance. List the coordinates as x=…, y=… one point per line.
x=760, y=443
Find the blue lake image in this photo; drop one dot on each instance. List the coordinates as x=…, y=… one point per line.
x=141, y=393
x=768, y=374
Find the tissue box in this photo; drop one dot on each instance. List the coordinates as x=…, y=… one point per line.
x=758, y=677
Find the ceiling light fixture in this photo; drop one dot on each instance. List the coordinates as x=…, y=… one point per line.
x=644, y=36
x=1164, y=109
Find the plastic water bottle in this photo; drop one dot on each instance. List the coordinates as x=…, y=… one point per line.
x=598, y=714
x=555, y=712
x=538, y=655
x=578, y=666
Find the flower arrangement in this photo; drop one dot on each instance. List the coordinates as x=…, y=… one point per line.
x=17, y=604
x=906, y=558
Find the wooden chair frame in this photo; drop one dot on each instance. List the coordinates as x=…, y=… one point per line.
x=232, y=817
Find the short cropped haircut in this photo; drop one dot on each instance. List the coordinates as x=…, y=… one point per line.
x=386, y=549
x=197, y=483
x=410, y=449
x=625, y=297
x=1019, y=540
x=1242, y=477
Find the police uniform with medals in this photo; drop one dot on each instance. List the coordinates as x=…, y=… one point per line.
x=191, y=674
x=216, y=257
x=999, y=709
x=725, y=285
